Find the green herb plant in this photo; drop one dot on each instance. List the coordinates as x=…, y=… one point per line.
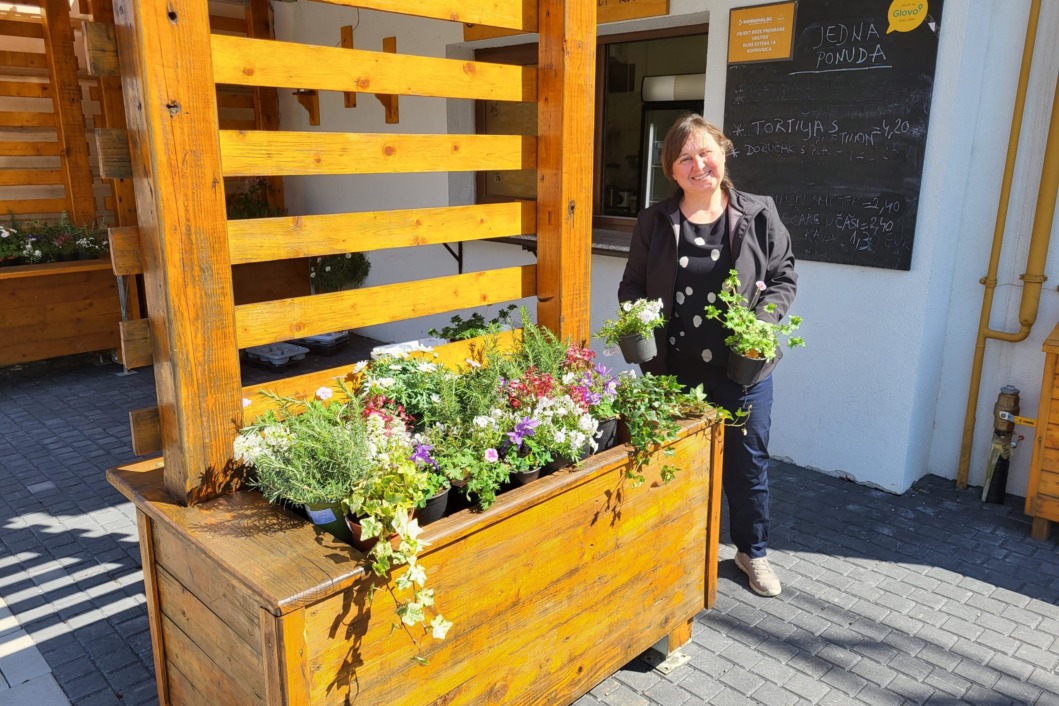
x=475, y=325
x=751, y=337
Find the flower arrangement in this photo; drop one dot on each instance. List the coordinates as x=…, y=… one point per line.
x=475, y=325
x=635, y=318
x=39, y=241
x=333, y=273
x=402, y=427
x=751, y=337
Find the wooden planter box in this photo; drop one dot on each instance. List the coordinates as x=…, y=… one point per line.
x=56, y=309
x=551, y=590
x=1042, y=492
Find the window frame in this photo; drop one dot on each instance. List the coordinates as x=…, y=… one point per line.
x=610, y=233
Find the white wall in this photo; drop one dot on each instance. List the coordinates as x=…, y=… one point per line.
x=879, y=394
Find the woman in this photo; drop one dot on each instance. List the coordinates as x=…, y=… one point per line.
x=682, y=249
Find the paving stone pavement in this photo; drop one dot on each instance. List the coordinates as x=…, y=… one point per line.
x=930, y=597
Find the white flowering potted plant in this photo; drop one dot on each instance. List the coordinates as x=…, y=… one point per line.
x=343, y=456
x=633, y=329
x=10, y=246
x=753, y=342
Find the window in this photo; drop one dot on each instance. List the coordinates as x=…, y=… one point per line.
x=622, y=155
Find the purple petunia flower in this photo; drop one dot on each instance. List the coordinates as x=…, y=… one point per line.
x=421, y=456
x=525, y=427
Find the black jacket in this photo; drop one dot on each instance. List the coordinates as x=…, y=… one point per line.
x=761, y=251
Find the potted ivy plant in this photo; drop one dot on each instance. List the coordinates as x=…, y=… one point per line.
x=753, y=342
x=633, y=329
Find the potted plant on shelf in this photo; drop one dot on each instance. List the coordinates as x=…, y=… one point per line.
x=753, y=341
x=474, y=325
x=633, y=329
x=10, y=246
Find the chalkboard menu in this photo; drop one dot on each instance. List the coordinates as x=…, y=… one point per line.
x=837, y=134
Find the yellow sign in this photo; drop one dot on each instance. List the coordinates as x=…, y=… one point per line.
x=606, y=11
x=906, y=15
x=761, y=33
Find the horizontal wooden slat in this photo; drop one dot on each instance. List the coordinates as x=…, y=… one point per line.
x=135, y=343
x=14, y=28
x=146, y=426
x=257, y=240
x=227, y=24
x=512, y=14
x=1047, y=508
x=27, y=119
x=112, y=151
x=268, y=322
x=30, y=177
x=270, y=153
x=1049, y=483
x=263, y=62
x=101, y=49
x=25, y=89
x=30, y=149
x=23, y=60
x=39, y=274
x=125, y=255
x=41, y=206
x=305, y=386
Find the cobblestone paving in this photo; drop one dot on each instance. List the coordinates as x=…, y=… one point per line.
x=930, y=597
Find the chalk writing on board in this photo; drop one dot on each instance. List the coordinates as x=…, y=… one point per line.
x=837, y=135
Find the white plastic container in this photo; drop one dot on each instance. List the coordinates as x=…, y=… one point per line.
x=277, y=354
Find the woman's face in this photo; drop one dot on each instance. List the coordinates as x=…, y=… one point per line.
x=699, y=168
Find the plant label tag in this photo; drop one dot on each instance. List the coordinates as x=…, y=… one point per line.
x=321, y=517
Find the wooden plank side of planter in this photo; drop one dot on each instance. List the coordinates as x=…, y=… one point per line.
x=579, y=580
x=58, y=310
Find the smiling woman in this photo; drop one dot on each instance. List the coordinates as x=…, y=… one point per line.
x=718, y=230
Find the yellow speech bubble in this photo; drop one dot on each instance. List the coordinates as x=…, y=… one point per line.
x=906, y=15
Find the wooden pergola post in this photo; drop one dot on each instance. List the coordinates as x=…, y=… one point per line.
x=69, y=121
x=566, y=95
x=171, y=109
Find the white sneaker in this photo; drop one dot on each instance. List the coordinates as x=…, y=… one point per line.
x=763, y=580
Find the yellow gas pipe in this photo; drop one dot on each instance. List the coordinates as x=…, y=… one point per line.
x=1040, y=238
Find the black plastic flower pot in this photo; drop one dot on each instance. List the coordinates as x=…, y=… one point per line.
x=742, y=370
x=637, y=349
x=435, y=508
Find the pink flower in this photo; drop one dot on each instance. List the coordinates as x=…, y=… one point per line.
x=760, y=286
x=491, y=455
x=324, y=393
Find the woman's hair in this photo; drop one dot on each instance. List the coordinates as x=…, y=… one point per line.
x=687, y=125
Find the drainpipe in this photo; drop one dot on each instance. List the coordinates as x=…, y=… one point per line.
x=1040, y=237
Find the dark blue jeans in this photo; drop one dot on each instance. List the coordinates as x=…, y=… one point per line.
x=746, y=456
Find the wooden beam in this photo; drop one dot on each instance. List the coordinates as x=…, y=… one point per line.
x=254, y=62
x=27, y=120
x=15, y=28
x=565, y=112
x=23, y=60
x=263, y=239
x=309, y=98
x=171, y=107
x=101, y=48
x=279, y=320
x=70, y=125
x=30, y=149
x=263, y=153
x=519, y=15
x=25, y=89
x=135, y=343
x=349, y=98
x=24, y=207
x=266, y=98
x=606, y=11
x=125, y=255
x=30, y=177
x=112, y=152
x=390, y=100
x=112, y=104
x=146, y=430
